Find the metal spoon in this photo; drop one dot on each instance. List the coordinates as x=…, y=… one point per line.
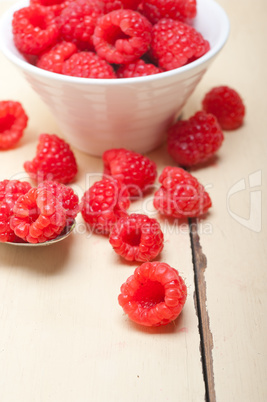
x=62, y=236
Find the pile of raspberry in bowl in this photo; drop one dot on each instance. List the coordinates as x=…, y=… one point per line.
x=108, y=38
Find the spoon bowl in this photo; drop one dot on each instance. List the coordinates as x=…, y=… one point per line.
x=63, y=235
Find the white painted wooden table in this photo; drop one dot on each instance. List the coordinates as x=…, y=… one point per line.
x=63, y=336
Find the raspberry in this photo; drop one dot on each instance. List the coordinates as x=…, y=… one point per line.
x=154, y=10
x=180, y=194
x=10, y=191
x=66, y=196
x=103, y=204
x=77, y=22
x=87, y=65
x=34, y=29
x=53, y=59
x=54, y=160
x=38, y=216
x=13, y=121
x=56, y=6
x=174, y=44
x=195, y=140
x=137, y=68
x=226, y=104
x=134, y=170
x=137, y=237
x=154, y=295
x=122, y=36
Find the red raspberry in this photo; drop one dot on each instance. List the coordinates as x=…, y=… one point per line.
x=195, y=140
x=137, y=237
x=134, y=170
x=13, y=121
x=55, y=6
x=226, y=104
x=103, y=204
x=38, y=216
x=154, y=295
x=154, y=10
x=180, y=194
x=53, y=59
x=122, y=36
x=174, y=44
x=66, y=196
x=111, y=5
x=34, y=29
x=10, y=191
x=54, y=160
x=87, y=65
x=137, y=68
x=77, y=22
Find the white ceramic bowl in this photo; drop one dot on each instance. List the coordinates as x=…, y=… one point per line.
x=134, y=113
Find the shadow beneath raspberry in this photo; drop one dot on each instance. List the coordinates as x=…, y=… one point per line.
x=48, y=260
x=213, y=161
x=174, y=327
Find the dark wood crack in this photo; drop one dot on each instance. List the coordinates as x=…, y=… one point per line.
x=200, y=298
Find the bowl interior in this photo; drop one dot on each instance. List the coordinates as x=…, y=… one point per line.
x=211, y=20
x=97, y=114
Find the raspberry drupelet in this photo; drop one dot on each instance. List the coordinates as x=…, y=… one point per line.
x=154, y=295
x=227, y=105
x=175, y=44
x=137, y=172
x=54, y=160
x=180, y=195
x=122, y=36
x=195, y=140
x=137, y=237
x=34, y=29
x=13, y=121
x=38, y=216
x=103, y=204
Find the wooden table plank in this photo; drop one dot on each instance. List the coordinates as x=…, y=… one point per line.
x=63, y=335
x=235, y=250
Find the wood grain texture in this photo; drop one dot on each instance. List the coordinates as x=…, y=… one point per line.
x=235, y=247
x=63, y=335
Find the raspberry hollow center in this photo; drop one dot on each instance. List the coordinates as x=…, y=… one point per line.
x=34, y=214
x=149, y=294
x=38, y=21
x=114, y=34
x=6, y=122
x=133, y=238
